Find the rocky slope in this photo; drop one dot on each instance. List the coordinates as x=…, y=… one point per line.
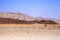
x=55, y=20
x=13, y=17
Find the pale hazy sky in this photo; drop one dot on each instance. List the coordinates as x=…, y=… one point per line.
x=42, y=8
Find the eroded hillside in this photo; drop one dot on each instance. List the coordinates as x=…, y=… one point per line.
x=19, y=18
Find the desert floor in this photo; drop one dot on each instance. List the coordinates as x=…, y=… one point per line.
x=16, y=33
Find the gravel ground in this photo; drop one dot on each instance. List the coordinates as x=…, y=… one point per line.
x=12, y=33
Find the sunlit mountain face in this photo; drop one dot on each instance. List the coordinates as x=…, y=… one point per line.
x=19, y=18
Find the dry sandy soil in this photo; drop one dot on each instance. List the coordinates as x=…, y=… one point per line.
x=21, y=33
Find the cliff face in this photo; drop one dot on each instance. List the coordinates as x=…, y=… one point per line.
x=17, y=18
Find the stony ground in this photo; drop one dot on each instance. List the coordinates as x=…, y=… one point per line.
x=22, y=33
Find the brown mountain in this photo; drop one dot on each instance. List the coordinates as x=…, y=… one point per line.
x=14, y=21
x=11, y=17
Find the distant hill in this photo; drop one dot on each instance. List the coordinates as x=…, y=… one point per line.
x=13, y=17
x=52, y=19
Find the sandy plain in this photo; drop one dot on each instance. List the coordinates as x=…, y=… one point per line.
x=28, y=32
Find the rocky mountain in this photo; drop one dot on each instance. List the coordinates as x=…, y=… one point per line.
x=19, y=16
x=16, y=17
x=55, y=20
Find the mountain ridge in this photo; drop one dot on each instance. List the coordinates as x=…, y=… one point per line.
x=21, y=16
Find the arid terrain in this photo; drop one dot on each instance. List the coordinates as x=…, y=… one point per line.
x=29, y=32
x=18, y=26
